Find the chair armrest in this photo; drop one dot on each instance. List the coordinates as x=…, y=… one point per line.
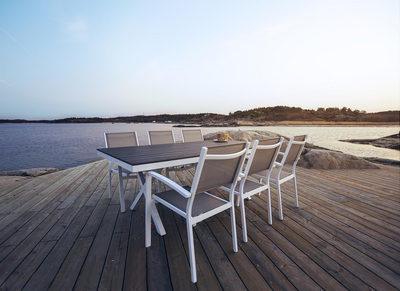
x=170, y=183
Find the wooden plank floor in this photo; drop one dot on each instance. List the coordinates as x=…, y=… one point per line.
x=62, y=232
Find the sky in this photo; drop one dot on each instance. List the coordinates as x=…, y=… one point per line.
x=88, y=58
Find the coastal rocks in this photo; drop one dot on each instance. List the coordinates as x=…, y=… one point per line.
x=237, y=123
x=388, y=142
x=311, y=158
x=325, y=159
x=29, y=172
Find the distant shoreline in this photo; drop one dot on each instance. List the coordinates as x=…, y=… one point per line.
x=240, y=123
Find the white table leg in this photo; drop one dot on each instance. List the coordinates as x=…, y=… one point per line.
x=157, y=220
x=121, y=189
x=142, y=182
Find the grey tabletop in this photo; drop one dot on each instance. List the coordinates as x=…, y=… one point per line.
x=139, y=155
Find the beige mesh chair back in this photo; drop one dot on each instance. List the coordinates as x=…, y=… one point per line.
x=189, y=135
x=120, y=139
x=161, y=137
x=216, y=166
x=285, y=168
x=265, y=155
x=261, y=159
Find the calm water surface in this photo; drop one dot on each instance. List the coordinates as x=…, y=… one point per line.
x=24, y=146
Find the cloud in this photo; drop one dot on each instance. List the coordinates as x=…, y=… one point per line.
x=5, y=82
x=76, y=29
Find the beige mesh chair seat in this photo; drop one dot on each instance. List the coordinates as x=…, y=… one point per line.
x=120, y=139
x=204, y=202
x=217, y=166
x=261, y=159
x=285, y=168
x=165, y=137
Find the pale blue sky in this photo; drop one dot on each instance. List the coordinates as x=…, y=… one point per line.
x=121, y=58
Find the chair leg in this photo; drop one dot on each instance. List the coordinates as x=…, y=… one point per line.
x=243, y=214
x=278, y=187
x=148, y=213
x=296, y=197
x=233, y=225
x=191, y=251
x=269, y=206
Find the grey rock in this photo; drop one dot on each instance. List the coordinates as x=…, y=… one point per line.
x=325, y=159
x=311, y=158
x=29, y=172
x=388, y=142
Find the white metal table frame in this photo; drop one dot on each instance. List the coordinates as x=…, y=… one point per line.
x=158, y=163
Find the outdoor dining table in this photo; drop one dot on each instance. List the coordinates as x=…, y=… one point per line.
x=139, y=159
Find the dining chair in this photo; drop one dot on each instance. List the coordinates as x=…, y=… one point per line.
x=261, y=159
x=120, y=139
x=285, y=168
x=216, y=166
x=164, y=137
x=189, y=135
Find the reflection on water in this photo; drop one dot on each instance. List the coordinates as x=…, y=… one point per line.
x=60, y=146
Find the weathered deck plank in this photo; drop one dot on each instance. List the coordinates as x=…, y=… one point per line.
x=61, y=231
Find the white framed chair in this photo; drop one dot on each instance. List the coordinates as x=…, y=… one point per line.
x=164, y=137
x=217, y=166
x=285, y=168
x=261, y=159
x=189, y=135
x=120, y=139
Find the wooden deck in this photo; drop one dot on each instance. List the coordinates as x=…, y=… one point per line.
x=62, y=232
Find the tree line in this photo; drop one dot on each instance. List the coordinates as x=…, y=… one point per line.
x=262, y=114
x=284, y=113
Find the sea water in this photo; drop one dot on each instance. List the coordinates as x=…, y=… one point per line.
x=24, y=146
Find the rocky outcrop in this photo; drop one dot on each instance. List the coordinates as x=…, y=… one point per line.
x=312, y=157
x=325, y=159
x=388, y=142
x=29, y=172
